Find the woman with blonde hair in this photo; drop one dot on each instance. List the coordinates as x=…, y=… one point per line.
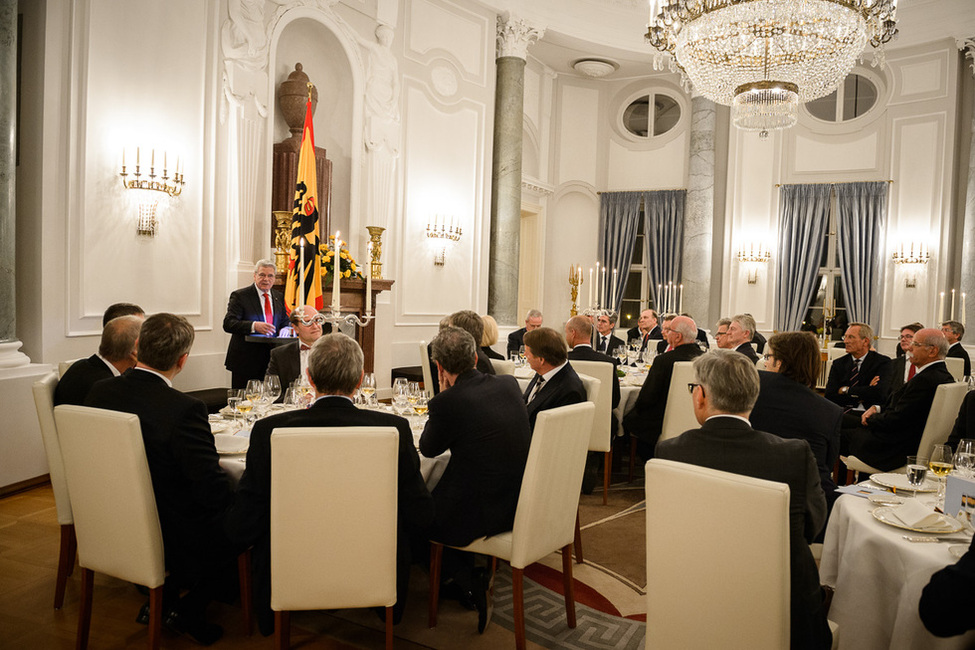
x=490, y=337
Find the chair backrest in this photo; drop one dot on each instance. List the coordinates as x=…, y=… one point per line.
x=679, y=414
x=549, y=498
x=44, y=403
x=502, y=367
x=956, y=367
x=681, y=568
x=333, y=517
x=601, y=437
x=944, y=409
x=64, y=365
x=760, y=364
x=114, y=507
x=425, y=368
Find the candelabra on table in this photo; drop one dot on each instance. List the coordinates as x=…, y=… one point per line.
x=575, y=280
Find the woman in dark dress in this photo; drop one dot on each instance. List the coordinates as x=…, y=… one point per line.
x=490, y=337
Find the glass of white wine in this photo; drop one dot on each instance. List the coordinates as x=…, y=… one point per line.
x=368, y=388
x=941, y=464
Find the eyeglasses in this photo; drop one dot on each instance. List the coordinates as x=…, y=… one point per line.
x=906, y=337
x=318, y=319
x=768, y=356
x=692, y=386
x=915, y=344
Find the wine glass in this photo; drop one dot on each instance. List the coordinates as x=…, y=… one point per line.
x=414, y=392
x=401, y=391
x=234, y=395
x=965, y=457
x=368, y=388
x=917, y=470
x=272, y=388
x=940, y=464
x=253, y=393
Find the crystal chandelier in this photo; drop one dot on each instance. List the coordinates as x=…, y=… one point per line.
x=765, y=57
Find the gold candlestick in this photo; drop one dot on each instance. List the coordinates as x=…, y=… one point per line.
x=575, y=279
x=282, y=239
x=376, y=237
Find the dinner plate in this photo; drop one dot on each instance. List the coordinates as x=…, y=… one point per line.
x=218, y=427
x=886, y=515
x=885, y=499
x=899, y=481
x=228, y=444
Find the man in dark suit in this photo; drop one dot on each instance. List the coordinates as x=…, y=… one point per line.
x=254, y=310
x=533, y=320
x=664, y=344
x=192, y=492
x=740, y=334
x=555, y=382
x=949, y=597
x=289, y=361
x=606, y=341
x=726, y=389
x=964, y=423
x=902, y=368
x=470, y=322
x=645, y=421
x=721, y=334
x=861, y=378
x=483, y=421
x=335, y=369
x=954, y=331
x=890, y=433
x=122, y=309
x=646, y=329
x=116, y=354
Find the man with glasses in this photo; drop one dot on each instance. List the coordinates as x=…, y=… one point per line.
x=290, y=361
x=664, y=345
x=253, y=310
x=860, y=378
x=954, y=331
x=902, y=368
x=741, y=331
x=721, y=334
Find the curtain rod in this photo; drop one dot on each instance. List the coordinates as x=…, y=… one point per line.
x=670, y=189
x=833, y=183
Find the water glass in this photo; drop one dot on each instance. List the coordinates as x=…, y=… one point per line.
x=272, y=388
x=917, y=470
x=965, y=457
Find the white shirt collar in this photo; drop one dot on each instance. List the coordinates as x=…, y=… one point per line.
x=927, y=365
x=111, y=366
x=729, y=415
x=551, y=373
x=161, y=376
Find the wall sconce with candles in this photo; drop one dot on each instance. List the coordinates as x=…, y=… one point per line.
x=169, y=182
x=443, y=232
x=913, y=256
x=752, y=255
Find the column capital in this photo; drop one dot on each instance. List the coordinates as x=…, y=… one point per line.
x=515, y=35
x=967, y=46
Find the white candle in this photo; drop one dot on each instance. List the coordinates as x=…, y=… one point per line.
x=590, y=287
x=941, y=308
x=152, y=162
x=597, y=288
x=137, y=155
x=602, y=290
x=123, y=158
x=579, y=273
x=612, y=296
x=952, y=317
x=660, y=299
x=369, y=279
x=680, y=300
x=336, y=270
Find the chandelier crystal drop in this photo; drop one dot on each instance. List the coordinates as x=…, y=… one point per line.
x=764, y=57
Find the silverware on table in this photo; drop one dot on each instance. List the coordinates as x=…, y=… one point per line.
x=952, y=540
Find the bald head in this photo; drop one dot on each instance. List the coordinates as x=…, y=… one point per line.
x=929, y=345
x=307, y=324
x=578, y=329
x=683, y=330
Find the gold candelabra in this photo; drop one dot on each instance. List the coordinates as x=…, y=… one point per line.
x=376, y=237
x=282, y=239
x=575, y=281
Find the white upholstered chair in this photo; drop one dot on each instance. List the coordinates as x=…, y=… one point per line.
x=679, y=414
x=686, y=606
x=425, y=369
x=333, y=524
x=114, y=506
x=944, y=410
x=63, y=366
x=601, y=438
x=956, y=367
x=44, y=403
x=546, y=512
x=502, y=367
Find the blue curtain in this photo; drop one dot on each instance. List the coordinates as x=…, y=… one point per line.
x=861, y=212
x=663, y=231
x=803, y=217
x=619, y=218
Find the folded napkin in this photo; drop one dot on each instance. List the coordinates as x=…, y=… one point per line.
x=916, y=515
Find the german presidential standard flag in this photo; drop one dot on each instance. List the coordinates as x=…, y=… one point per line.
x=305, y=268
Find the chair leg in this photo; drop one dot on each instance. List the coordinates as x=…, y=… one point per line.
x=436, y=555
x=849, y=477
x=282, y=630
x=578, y=539
x=567, y=584
x=84, y=609
x=155, y=617
x=518, y=596
x=389, y=628
x=632, y=457
x=69, y=545
x=607, y=473
x=246, y=592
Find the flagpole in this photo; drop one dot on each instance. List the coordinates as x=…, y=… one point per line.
x=301, y=274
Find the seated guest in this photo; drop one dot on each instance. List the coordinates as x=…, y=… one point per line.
x=533, y=320
x=702, y=336
x=471, y=322
x=645, y=421
x=948, y=599
x=664, y=345
x=902, y=367
x=555, y=382
x=645, y=330
x=954, y=331
x=726, y=389
x=116, y=354
x=606, y=341
x=490, y=337
x=890, y=433
x=192, y=491
x=444, y=322
x=789, y=407
x=253, y=310
x=964, y=423
x=758, y=339
x=860, y=378
x=482, y=420
x=290, y=361
x=721, y=334
x=741, y=331
x=122, y=309
x=335, y=369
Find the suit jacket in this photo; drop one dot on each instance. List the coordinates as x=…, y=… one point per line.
x=562, y=389
x=243, y=309
x=702, y=338
x=634, y=334
x=897, y=366
x=192, y=491
x=481, y=364
x=515, y=340
x=748, y=351
x=489, y=352
x=949, y=597
x=77, y=381
x=586, y=353
x=790, y=410
x=249, y=520
x=894, y=433
x=613, y=343
x=483, y=421
x=646, y=419
x=286, y=364
x=760, y=341
x=873, y=365
x=964, y=423
x=730, y=445
x=958, y=352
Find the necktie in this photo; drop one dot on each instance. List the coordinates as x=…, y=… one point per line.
x=538, y=387
x=646, y=337
x=855, y=373
x=602, y=346
x=268, y=316
x=911, y=372
x=304, y=348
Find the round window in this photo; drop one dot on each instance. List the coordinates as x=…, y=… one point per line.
x=641, y=121
x=853, y=98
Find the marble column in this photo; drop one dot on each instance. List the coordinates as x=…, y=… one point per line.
x=10, y=357
x=968, y=228
x=699, y=214
x=514, y=36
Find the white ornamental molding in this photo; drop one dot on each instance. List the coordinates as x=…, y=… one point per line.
x=967, y=45
x=515, y=35
x=540, y=190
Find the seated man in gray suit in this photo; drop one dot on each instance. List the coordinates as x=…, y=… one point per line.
x=725, y=391
x=290, y=361
x=954, y=331
x=555, y=382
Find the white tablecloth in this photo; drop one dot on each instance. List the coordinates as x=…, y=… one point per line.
x=878, y=577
